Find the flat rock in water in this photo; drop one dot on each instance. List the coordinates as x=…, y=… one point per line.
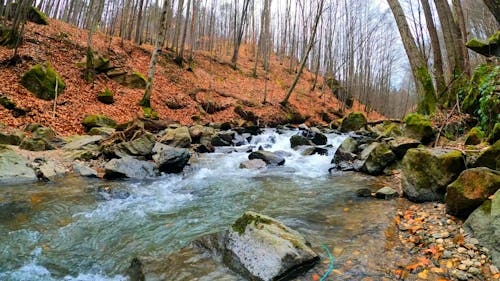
x=262, y=248
x=268, y=157
x=84, y=171
x=386, y=193
x=254, y=164
x=14, y=168
x=129, y=167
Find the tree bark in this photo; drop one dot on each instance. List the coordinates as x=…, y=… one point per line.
x=494, y=7
x=421, y=76
x=239, y=33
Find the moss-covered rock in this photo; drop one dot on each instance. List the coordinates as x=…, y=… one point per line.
x=418, y=127
x=37, y=16
x=426, y=172
x=134, y=80
x=488, y=48
x=388, y=129
x=298, y=140
x=376, y=157
x=474, y=136
x=97, y=120
x=12, y=106
x=101, y=63
x=490, y=157
x=150, y=113
x=178, y=137
x=106, y=97
x=41, y=80
x=353, y=122
x=45, y=133
x=494, y=134
x=101, y=131
x=35, y=145
x=470, y=190
x=12, y=138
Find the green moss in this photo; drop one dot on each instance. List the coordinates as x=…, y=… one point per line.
x=494, y=134
x=427, y=102
x=37, y=16
x=7, y=103
x=474, y=136
x=485, y=47
x=150, y=113
x=96, y=120
x=353, y=122
x=418, y=127
x=248, y=218
x=41, y=80
x=106, y=97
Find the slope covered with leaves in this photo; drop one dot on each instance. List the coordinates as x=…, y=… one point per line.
x=209, y=93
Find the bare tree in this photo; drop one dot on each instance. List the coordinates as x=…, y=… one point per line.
x=239, y=33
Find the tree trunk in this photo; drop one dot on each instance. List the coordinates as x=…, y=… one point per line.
x=460, y=18
x=436, y=48
x=421, y=76
x=494, y=7
x=284, y=102
x=146, y=99
x=180, y=58
x=239, y=33
x=138, y=29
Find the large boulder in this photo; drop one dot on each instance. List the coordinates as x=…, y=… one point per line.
x=343, y=160
x=474, y=136
x=268, y=157
x=41, y=81
x=426, y=172
x=12, y=138
x=298, y=140
x=490, y=157
x=349, y=145
x=262, y=248
x=400, y=145
x=353, y=122
x=484, y=224
x=178, y=137
x=418, y=127
x=134, y=80
x=14, y=168
x=128, y=167
x=470, y=190
x=376, y=157
x=97, y=120
x=37, y=144
x=170, y=159
x=141, y=146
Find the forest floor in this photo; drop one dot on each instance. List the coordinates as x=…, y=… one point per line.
x=213, y=78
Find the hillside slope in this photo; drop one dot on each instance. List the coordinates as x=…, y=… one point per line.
x=213, y=82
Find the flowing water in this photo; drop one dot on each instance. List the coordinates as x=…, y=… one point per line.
x=61, y=231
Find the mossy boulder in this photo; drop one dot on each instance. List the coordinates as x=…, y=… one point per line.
x=490, y=157
x=388, y=129
x=12, y=138
x=37, y=16
x=177, y=137
x=134, y=80
x=36, y=144
x=106, y=97
x=141, y=146
x=353, y=122
x=298, y=140
x=97, y=120
x=101, y=131
x=488, y=48
x=376, y=157
x=494, y=134
x=12, y=106
x=150, y=113
x=418, y=127
x=262, y=248
x=101, y=63
x=470, y=190
x=45, y=133
x=426, y=172
x=474, y=136
x=41, y=81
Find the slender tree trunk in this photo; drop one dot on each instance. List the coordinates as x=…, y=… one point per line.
x=180, y=57
x=460, y=18
x=421, y=76
x=239, y=33
x=146, y=99
x=284, y=102
x=436, y=48
x=138, y=28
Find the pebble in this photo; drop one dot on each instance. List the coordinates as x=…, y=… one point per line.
x=474, y=270
x=460, y=275
x=461, y=250
x=462, y=266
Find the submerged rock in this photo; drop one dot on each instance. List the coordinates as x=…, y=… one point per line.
x=427, y=172
x=14, y=168
x=470, y=190
x=128, y=167
x=262, y=248
x=268, y=157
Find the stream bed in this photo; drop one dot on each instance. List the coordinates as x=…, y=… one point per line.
x=65, y=230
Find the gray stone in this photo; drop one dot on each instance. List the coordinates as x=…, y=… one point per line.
x=268, y=157
x=400, y=146
x=14, y=168
x=254, y=164
x=315, y=150
x=298, y=140
x=349, y=145
x=376, y=157
x=170, y=159
x=84, y=171
x=128, y=167
x=101, y=131
x=79, y=142
x=35, y=145
x=178, y=137
x=386, y=193
x=141, y=146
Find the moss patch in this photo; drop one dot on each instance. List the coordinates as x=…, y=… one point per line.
x=106, y=97
x=41, y=80
x=248, y=218
x=427, y=102
x=96, y=120
x=418, y=127
x=353, y=122
x=474, y=136
x=150, y=113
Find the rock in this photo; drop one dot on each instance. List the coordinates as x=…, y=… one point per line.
x=84, y=171
x=494, y=134
x=133, y=80
x=13, y=138
x=364, y=192
x=47, y=170
x=150, y=113
x=262, y=248
x=80, y=142
x=218, y=141
x=44, y=133
x=343, y=160
x=141, y=146
x=268, y=157
x=178, y=137
x=386, y=193
x=128, y=167
x=319, y=139
x=106, y=193
x=35, y=145
x=470, y=190
x=101, y=131
x=400, y=145
x=349, y=145
x=41, y=81
x=490, y=157
x=254, y=164
x=36, y=16
x=376, y=157
x=14, y=168
x=315, y=150
x=388, y=130
x=488, y=48
x=474, y=136
x=418, y=127
x=426, y=172
x=298, y=140
x=96, y=120
x=106, y=97
x=196, y=132
x=353, y=122
x=484, y=225
x=170, y=159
